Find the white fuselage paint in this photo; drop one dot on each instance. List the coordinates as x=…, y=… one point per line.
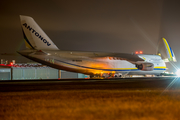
x=92, y=62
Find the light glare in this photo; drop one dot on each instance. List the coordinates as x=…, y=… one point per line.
x=178, y=72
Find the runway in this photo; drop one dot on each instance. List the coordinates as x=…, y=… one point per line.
x=159, y=83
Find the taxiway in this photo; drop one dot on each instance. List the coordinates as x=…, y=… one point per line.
x=95, y=84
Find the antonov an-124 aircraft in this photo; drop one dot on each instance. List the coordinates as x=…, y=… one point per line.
x=40, y=48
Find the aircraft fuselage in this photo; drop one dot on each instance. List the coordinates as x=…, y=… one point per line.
x=94, y=62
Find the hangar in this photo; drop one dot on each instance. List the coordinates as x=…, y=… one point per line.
x=34, y=71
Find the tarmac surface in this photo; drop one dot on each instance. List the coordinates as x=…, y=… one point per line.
x=159, y=83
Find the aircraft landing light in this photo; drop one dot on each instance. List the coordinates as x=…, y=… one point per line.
x=178, y=72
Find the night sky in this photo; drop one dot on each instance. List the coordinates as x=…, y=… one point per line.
x=123, y=26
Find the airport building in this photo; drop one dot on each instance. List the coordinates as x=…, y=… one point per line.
x=26, y=69
x=34, y=71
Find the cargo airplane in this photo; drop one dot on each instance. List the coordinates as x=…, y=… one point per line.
x=40, y=48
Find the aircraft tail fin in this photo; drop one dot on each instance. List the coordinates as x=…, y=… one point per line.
x=170, y=56
x=34, y=36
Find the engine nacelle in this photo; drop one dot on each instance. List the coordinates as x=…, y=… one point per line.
x=145, y=66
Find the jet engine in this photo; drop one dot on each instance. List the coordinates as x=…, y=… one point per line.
x=145, y=66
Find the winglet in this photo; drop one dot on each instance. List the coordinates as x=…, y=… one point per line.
x=169, y=51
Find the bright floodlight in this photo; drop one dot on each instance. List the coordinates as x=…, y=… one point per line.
x=178, y=72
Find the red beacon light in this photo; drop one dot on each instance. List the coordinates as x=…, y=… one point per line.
x=11, y=63
x=140, y=52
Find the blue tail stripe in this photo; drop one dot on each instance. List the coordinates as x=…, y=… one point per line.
x=27, y=39
x=170, y=49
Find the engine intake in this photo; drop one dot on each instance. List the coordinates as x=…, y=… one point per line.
x=145, y=66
